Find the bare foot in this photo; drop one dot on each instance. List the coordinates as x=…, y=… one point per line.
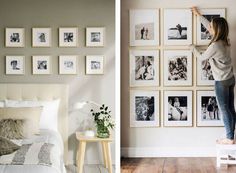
x=225, y=141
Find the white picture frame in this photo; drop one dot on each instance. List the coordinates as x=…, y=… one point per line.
x=41, y=37
x=95, y=36
x=15, y=65
x=144, y=27
x=177, y=68
x=177, y=27
x=41, y=64
x=144, y=108
x=14, y=37
x=204, y=73
x=208, y=113
x=68, y=37
x=178, y=109
x=203, y=37
x=68, y=64
x=144, y=68
x=94, y=64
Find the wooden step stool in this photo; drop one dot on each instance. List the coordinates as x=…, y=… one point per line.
x=226, y=154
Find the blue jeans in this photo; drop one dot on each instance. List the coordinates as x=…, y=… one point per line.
x=225, y=97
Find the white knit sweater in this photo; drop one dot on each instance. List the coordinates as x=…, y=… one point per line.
x=218, y=55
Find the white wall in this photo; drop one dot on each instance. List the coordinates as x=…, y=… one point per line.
x=167, y=141
x=62, y=13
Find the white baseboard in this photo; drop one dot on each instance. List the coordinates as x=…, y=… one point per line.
x=169, y=152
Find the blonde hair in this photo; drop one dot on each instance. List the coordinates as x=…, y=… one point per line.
x=221, y=28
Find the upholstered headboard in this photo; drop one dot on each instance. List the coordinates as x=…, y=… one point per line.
x=42, y=92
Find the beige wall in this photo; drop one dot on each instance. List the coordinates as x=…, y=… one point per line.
x=164, y=141
x=63, y=13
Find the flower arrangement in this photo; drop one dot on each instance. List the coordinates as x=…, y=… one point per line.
x=103, y=121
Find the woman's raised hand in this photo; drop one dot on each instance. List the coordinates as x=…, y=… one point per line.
x=195, y=11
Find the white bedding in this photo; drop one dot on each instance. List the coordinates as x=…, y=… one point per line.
x=47, y=136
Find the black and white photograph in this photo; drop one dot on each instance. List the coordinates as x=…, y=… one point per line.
x=144, y=29
x=68, y=37
x=15, y=65
x=208, y=113
x=41, y=37
x=144, y=68
x=41, y=64
x=68, y=64
x=144, y=108
x=15, y=37
x=177, y=68
x=178, y=108
x=179, y=30
x=94, y=64
x=204, y=75
x=203, y=35
x=95, y=36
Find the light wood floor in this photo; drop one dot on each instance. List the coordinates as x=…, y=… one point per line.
x=89, y=169
x=173, y=165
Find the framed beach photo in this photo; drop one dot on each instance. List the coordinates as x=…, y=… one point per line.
x=204, y=73
x=144, y=108
x=144, y=68
x=144, y=27
x=41, y=37
x=15, y=65
x=41, y=64
x=68, y=37
x=14, y=37
x=95, y=36
x=94, y=64
x=208, y=113
x=177, y=68
x=178, y=108
x=177, y=27
x=203, y=35
x=68, y=64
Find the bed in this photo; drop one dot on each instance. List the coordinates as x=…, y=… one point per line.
x=59, y=140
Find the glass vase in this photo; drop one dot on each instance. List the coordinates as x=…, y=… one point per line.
x=102, y=131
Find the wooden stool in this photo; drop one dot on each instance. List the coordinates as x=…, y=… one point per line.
x=82, y=147
x=226, y=154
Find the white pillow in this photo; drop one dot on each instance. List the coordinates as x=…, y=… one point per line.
x=48, y=119
x=2, y=103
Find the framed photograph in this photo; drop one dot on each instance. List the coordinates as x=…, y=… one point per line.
x=178, y=108
x=67, y=64
x=41, y=37
x=144, y=68
x=203, y=35
x=144, y=108
x=204, y=73
x=208, y=113
x=95, y=36
x=68, y=37
x=177, y=68
x=94, y=64
x=177, y=27
x=15, y=65
x=144, y=27
x=15, y=37
x=41, y=64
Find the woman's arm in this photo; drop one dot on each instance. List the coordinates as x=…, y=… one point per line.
x=202, y=19
x=209, y=53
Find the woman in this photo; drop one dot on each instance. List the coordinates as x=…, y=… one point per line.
x=218, y=54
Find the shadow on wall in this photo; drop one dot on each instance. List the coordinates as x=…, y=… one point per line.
x=91, y=88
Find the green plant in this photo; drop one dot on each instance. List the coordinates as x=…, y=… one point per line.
x=103, y=119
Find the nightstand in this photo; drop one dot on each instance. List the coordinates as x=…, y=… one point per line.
x=83, y=140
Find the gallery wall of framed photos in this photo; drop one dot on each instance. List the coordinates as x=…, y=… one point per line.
x=169, y=87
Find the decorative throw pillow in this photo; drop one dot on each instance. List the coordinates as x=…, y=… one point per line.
x=7, y=147
x=12, y=129
x=30, y=115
